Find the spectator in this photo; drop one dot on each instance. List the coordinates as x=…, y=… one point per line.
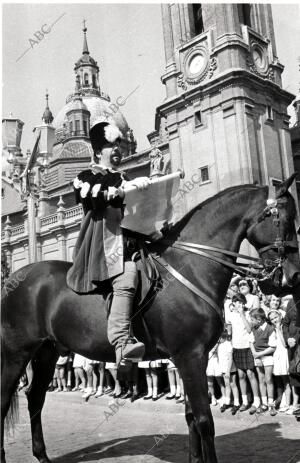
x=228, y=370
x=263, y=344
x=281, y=363
x=151, y=378
x=174, y=381
x=292, y=337
x=246, y=288
x=60, y=374
x=213, y=370
x=240, y=329
x=79, y=373
x=117, y=391
x=92, y=368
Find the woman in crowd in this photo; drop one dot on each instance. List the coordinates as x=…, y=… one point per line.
x=292, y=337
x=281, y=363
x=263, y=344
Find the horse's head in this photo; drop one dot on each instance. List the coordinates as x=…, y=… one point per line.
x=273, y=234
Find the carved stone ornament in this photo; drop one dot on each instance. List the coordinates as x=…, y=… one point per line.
x=213, y=64
x=181, y=83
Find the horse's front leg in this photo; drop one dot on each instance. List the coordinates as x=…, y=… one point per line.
x=192, y=368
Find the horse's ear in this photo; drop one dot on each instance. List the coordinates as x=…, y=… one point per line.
x=283, y=187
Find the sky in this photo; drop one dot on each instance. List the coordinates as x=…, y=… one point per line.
x=127, y=42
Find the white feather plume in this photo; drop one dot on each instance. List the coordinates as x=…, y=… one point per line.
x=111, y=133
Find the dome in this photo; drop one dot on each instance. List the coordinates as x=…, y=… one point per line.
x=98, y=107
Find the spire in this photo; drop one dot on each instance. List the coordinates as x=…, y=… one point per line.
x=85, y=50
x=47, y=115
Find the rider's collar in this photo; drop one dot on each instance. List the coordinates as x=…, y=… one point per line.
x=100, y=169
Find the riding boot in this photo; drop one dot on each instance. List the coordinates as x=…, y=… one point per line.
x=118, y=329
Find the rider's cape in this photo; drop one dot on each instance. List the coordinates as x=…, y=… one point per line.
x=98, y=253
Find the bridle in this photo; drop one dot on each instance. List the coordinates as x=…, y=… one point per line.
x=279, y=245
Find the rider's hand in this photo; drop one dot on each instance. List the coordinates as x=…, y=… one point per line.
x=112, y=193
x=77, y=183
x=85, y=189
x=95, y=190
x=141, y=183
x=291, y=342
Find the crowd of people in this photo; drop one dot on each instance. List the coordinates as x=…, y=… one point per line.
x=254, y=366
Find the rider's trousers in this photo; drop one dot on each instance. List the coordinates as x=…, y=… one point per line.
x=124, y=288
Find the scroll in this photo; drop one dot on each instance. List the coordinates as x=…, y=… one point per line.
x=147, y=211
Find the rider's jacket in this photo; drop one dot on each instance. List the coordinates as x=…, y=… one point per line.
x=99, y=250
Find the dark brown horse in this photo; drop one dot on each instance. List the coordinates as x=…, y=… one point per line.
x=42, y=312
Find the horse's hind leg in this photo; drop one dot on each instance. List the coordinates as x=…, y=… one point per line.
x=43, y=365
x=192, y=368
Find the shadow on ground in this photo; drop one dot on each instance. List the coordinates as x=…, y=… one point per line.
x=261, y=444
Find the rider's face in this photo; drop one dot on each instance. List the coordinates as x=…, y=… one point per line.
x=110, y=156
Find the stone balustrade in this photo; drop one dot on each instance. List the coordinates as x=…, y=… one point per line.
x=63, y=217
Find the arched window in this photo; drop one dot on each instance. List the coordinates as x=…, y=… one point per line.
x=198, y=21
x=71, y=127
x=94, y=81
x=86, y=79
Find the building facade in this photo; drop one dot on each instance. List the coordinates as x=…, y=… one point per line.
x=224, y=119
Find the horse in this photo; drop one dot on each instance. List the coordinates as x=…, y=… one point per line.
x=184, y=321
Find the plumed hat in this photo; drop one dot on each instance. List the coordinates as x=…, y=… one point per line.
x=103, y=133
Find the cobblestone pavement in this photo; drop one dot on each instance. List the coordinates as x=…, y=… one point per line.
x=106, y=431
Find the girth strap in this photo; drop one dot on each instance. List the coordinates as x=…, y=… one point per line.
x=163, y=263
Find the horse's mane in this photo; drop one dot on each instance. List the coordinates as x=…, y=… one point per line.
x=221, y=196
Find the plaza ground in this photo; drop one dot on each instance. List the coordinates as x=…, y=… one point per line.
x=102, y=430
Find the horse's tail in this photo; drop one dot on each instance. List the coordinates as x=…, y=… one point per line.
x=12, y=417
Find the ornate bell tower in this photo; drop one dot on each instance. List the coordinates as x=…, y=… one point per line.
x=225, y=108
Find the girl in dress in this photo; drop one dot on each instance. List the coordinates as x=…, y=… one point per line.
x=246, y=288
x=281, y=361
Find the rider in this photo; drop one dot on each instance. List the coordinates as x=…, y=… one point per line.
x=100, y=251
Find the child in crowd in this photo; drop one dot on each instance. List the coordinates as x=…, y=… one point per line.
x=174, y=381
x=113, y=371
x=79, y=373
x=263, y=344
x=60, y=374
x=228, y=370
x=213, y=370
x=93, y=369
x=151, y=378
x=246, y=288
x=239, y=327
x=281, y=361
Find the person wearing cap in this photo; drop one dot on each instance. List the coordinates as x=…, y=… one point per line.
x=101, y=259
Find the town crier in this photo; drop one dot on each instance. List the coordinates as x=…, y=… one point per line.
x=101, y=254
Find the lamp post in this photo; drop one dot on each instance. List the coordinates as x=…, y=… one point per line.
x=27, y=173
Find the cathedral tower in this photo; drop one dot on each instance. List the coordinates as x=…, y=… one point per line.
x=225, y=110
